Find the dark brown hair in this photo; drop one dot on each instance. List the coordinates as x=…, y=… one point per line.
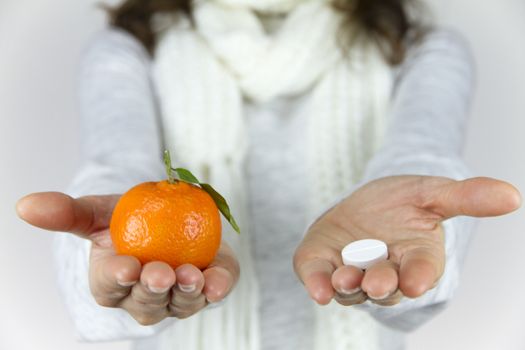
x=386, y=22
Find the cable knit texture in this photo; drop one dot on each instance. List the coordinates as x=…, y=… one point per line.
x=122, y=139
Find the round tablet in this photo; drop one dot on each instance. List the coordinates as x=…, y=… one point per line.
x=364, y=253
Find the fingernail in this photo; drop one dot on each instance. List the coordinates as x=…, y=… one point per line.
x=350, y=291
x=158, y=290
x=381, y=297
x=126, y=284
x=187, y=288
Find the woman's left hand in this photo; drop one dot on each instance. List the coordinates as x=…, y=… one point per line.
x=405, y=212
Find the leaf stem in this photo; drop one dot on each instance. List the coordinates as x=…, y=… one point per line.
x=167, y=164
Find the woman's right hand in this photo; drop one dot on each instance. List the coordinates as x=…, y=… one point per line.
x=150, y=292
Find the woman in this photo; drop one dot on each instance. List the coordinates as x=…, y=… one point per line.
x=345, y=115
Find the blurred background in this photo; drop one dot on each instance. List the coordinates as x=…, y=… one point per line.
x=40, y=45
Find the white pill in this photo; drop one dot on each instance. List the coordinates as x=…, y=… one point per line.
x=364, y=253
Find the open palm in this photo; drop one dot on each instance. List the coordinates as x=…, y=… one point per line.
x=406, y=213
x=149, y=292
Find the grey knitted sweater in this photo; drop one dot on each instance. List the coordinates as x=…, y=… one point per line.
x=122, y=144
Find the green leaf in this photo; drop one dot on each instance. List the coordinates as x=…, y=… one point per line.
x=222, y=205
x=186, y=175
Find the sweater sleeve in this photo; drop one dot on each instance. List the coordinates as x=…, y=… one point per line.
x=425, y=136
x=121, y=146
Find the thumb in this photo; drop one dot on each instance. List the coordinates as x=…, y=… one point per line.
x=57, y=211
x=479, y=197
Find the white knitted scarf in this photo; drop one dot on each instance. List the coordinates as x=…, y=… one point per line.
x=202, y=76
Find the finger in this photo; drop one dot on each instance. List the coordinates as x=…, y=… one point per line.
x=391, y=300
x=187, y=297
x=186, y=309
x=356, y=298
x=56, y=211
x=316, y=275
x=419, y=271
x=144, y=310
x=346, y=281
x=190, y=282
x=156, y=279
x=149, y=299
x=479, y=197
x=221, y=275
x=218, y=283
x=380, y=280
x=111, y=278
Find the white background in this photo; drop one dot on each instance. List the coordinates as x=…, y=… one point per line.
x=40, y=43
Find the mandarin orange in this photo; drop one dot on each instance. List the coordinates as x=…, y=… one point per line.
x=175, y=222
